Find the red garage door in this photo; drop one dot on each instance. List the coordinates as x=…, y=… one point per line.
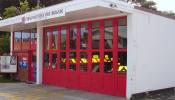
x=88, y=56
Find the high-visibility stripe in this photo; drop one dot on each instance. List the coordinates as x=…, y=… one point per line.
x=73, y=60
x=83, y=60
x=122, y=68
x=107, y=60
x=94, y=60
x=98, y=60
x=126, y=68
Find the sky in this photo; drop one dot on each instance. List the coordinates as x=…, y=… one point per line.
x=165, y=5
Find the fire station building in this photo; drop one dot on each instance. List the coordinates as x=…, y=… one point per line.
x=102, y=46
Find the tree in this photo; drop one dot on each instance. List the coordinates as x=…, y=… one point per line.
x=10, y=12
x=170, y=13
x=24, y=7
x=13, y=11
x=137, y=1
x=52, y=2
x=4, y=43
x=17, y=10
x=7, y=3
x=145, y=4
x=149, y=4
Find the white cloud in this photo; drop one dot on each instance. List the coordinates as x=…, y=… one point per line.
x=165, y=5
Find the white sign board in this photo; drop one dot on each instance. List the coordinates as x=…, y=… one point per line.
x=8, y=64
x=44, y=14
x=10, y=21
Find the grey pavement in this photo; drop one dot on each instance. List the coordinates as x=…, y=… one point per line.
x=23, y=91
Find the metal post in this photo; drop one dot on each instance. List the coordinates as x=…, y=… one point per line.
x=38, y=4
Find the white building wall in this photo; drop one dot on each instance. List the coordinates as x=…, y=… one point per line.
x=131, y=52
x=154, y=67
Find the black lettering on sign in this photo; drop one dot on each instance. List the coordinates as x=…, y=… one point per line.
x=57, y=12
x=47, y=14
x=41, y=15
x=61, y=11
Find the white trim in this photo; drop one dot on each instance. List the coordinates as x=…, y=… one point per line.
x=10, y=21
x=69, y=7
x=11, y=40
x=84, y=20
x=39, y=54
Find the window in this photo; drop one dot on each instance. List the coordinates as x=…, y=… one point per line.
x=83, y=62
x=122, y=33
x=95, y=62
x=54, y=60
x=95, y=35
x=26, y=40
x=33, y=39
x=63, y=60
x=55, y=39
x=108, y=37
x=122, y=62
x=17, y=40
x=46, y=40
x=33, y=34
x=34, y=58
x=72, y=36
x=46, y=59
x=72, y=61
x=63, y=38
x=84, y=36
x=122, y=46
x=108, y=62
x=80, y=51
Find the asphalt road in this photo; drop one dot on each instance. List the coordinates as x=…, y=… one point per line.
x=22, y=91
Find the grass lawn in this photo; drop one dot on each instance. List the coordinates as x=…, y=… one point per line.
x=7, y=80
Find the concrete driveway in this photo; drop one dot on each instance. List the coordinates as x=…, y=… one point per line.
x=22, y=91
